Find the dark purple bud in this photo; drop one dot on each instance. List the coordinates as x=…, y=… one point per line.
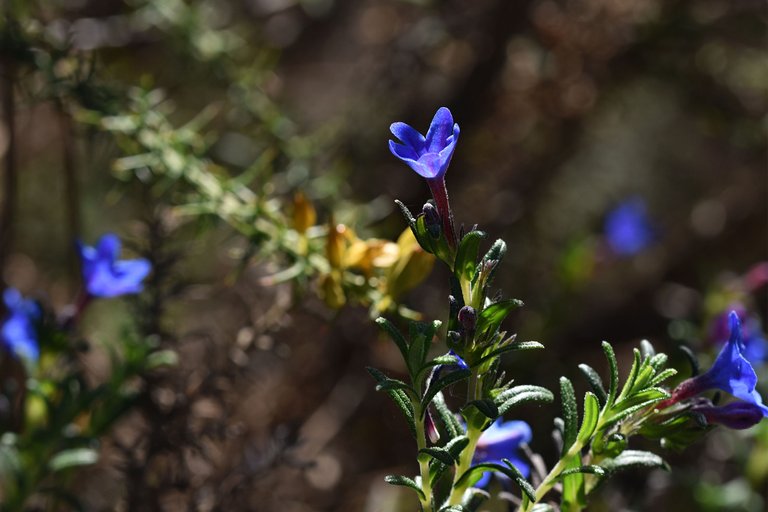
x=432, y=432
x=432, y=220
x=468, y=318
x=736, y=415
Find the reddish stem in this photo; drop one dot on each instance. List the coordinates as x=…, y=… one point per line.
x=440, y=195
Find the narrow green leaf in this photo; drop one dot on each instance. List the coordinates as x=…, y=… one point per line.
x=570, y=414
x=543, y=507
x=630, y=382
x=453, y=508
x=420, y=334
x=595, y=382
x=646, y=349
x=73, y=458
x=437, y=453
x=394, y=335
x=454, y=447
x=486, y=407
x=405, y=482
x=590, y=469
x=395, y=384
x=466, y=255
x=631, y=405
x=589, y=420
x=573, y=485
x=662, y=376
x=522, y=394
x=448, y=419
x=614, y=369
x=491, y=317
x=521, y=345
x=443, y=382
x=507, y=469
x=399, y=397
x=635, y=459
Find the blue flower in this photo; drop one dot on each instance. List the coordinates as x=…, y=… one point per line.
x=19, y=330
x=502, y=440
x=460, y=364
x=628, y=229
x=731, y=372
x=429, y=156
x=105, y=275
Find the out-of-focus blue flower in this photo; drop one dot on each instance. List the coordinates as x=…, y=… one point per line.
x=106, y=276
x=628, y=230
x=736, y=415
x=731, y=372
x=502, y=440
x=19, y=332
x=429, y=156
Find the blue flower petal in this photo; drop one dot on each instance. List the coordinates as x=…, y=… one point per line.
x=628, y=229
x=439, y=130
x=502, y=440
x=409, y=135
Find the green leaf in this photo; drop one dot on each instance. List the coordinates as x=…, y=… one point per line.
x=646, y=349
x=522, y=394
x=443, y=382
x=420, y=334
x=614, y=369
x=543, y=507
x=453, y=508
x=635, y=459
x=662, y=376
x=399, y=397
x=521, y=345
x=454, y=447
x=161, y=358
x=466, y=255
x=448, y=419
x=590, y=469
x=570, y=414
x=405, y=482
x=437, y=453
x=595, y=382
x=491, y=317
x=507, y=469
x=395, y=335
x=73, y=458
x=589, y=420
x=630, y=382
x=395, y=384
x=486, y=407
x=635, y=403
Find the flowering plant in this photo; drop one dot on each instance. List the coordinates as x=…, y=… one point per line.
x=457, y=450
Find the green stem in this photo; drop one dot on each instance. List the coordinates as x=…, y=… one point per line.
x=465, y=459
x=421, y=443
x=551, y=478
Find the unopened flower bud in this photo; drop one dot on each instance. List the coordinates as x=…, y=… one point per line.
x=468, y=319
x=431, y=219
x=736, y=415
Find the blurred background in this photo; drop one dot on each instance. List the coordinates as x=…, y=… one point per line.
x=618, y=147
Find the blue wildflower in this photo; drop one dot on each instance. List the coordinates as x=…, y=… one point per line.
x=731, y=372
x=430, y=156
x=502, y=440
x=19, y=330
x=106, y=276
x=628, y=229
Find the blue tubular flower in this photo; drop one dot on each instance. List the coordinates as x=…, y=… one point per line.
x=731, y=372
x=430, y=156
x=628, y=229
x=19, y=332
x=501, y=441
x=106, y=276
x=754, y=343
